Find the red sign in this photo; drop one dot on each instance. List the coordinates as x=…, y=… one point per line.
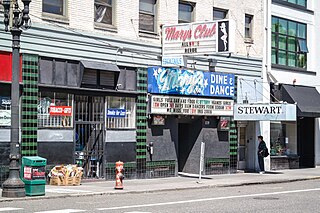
x=61, y=110
x=27, y=173
x=6, y=67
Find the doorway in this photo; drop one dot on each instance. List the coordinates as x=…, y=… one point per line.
x=183, y=148
x=89, y=133
x=242, y=147
x=306, y=144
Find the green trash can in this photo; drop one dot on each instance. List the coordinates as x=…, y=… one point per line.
x=33, y=174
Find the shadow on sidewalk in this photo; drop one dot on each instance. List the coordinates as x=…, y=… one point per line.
x=267, y=172
x=196, y=176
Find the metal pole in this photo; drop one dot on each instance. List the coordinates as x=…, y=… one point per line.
x=201, y=160
x=13, y=186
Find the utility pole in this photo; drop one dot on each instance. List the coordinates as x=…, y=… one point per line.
x=14, y=20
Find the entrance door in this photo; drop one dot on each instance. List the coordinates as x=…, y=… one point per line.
x=306, y=142
x=89, y=145
x=242, y=146
x=183, y=148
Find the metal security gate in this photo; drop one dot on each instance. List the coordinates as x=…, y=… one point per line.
x=89, y=141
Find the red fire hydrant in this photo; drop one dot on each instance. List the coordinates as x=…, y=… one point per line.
x=119, y=175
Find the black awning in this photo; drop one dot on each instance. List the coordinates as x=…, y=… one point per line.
x=307, y=99
x=102, y=75
x=95, y=65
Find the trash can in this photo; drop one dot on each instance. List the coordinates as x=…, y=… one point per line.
x=33, y=175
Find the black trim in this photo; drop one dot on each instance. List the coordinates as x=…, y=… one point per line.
x=293, y=69
x=95, y=65
x=86, y=91
x=294, y=6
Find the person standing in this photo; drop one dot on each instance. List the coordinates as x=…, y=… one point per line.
x=261, y=151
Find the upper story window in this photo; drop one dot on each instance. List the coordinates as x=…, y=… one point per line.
x=185, y=12
x=248, y=26
x=302, y=3
x=289, y=43
x=103, y=11
x=147, y=10
x=219, y=14
x=56, y=7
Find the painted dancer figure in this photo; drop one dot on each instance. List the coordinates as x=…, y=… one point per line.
x=224, y=38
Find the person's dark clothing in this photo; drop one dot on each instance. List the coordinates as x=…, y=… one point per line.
x=261, y=149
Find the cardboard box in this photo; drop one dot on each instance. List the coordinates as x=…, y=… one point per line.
x=68, y=181
x=55, y=180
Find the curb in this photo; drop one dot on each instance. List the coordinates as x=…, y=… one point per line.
x=157, y=190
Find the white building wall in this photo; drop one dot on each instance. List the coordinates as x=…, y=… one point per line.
x=313, y=63
x=315, y=59
x=302, y=78
x=80, y=16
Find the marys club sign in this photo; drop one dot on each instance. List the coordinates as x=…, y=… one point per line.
x=198, y=38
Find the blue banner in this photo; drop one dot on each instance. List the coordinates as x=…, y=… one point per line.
x=162, y=80
x=116, y=113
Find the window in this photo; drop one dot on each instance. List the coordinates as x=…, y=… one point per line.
x=103, y=11
x=5, y=111
x=57, y=7
x=219, y=14
x=248, y=26
x=289, y=43
x=283, y=139
x=302, y=3
x=55, y=109
x=121, y=113
x=185, y=12
x=147, y=15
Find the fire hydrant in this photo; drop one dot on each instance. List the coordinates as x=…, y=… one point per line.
x=119, y=175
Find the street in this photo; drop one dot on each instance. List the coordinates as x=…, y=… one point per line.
x=300, y=196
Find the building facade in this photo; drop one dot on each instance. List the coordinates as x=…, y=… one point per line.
x=293, y=75
x=85, y=76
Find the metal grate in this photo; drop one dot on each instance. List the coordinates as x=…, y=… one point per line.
x=161, y=169
x=29, y=122
x=89, y=122
x=130, y=170
x=217, y=166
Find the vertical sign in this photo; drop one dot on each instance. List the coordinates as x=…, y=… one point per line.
x=223, y=36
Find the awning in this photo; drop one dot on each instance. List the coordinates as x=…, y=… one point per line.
x=94, y=65
x=307, y=99
x=101, y=75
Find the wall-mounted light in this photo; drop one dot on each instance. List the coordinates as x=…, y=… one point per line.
x=212, y=64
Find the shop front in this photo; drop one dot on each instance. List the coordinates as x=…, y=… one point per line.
x=282, y=144
x=305, y=130
x=84, y=115
x=187, y=107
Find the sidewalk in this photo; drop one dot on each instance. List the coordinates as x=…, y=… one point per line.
x=175, y=183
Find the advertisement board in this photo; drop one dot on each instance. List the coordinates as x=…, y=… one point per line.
x=61, y=110
x=116, y=113
x=198, y=38
x=178, y=81
x=190, y=106
x=5, y=117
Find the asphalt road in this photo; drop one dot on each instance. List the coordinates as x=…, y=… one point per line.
x=292, y=197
